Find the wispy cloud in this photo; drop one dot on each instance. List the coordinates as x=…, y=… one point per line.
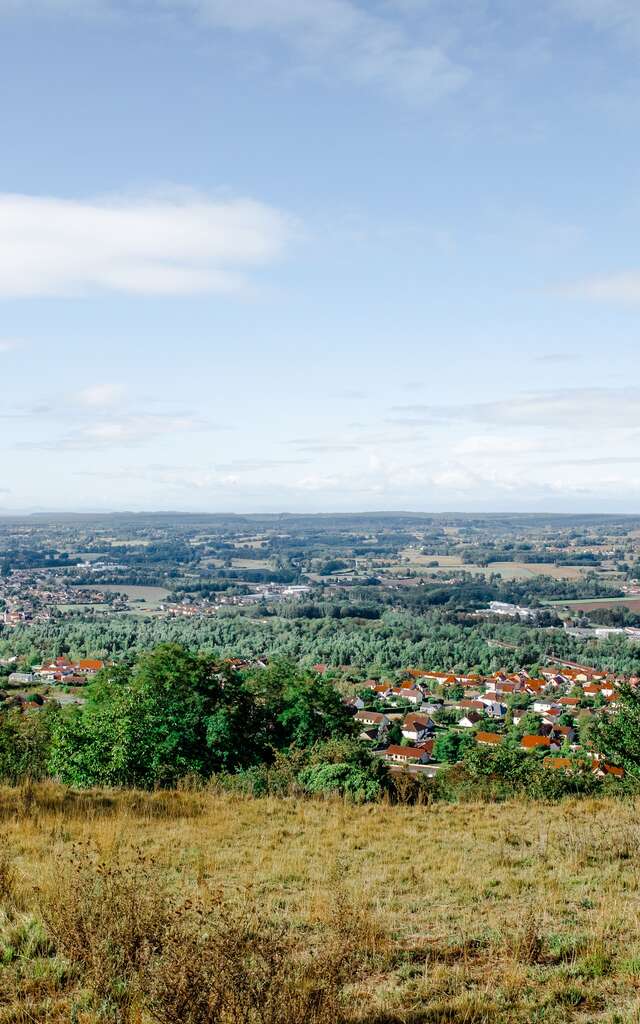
x=330, y=38
x=556, y=357
x=344, y=38
x=559, y=408
x=258, y=465
x=174, y=245
x=621, y=288
x=127, y=431
x=100, y=395
x=9, y=344
x=619, y=16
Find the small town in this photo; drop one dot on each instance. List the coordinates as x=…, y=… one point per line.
x=421, y=719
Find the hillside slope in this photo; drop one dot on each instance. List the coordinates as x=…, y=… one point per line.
x=466, y=913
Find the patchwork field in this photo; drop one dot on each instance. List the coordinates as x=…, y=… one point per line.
x=508, y=570
x=447, y=914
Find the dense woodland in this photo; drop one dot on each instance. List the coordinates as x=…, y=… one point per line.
x=398, y=639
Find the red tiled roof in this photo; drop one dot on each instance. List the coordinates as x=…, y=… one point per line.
x=493, y=738
x=410, y=753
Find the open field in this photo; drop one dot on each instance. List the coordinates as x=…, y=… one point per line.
x=465, y=913
x=151, y=597
x=526, y=570
x=251, y=563
x=592, y=604
x=508, y=570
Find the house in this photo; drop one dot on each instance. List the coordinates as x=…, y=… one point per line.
x=493, y=707
x=20, y=677
x=469, y=720
x=432, y=707
x=89, y=666
x=552, y=715
x=369, y=718
x=406, y=755
x=416, y=727
x=559, y=763
x=356, y=703
x=542, y=707
x=591, y=690
x=535, y=685
x=413, y=696
x=489, y=739
x=538, y=743
x=602, y=769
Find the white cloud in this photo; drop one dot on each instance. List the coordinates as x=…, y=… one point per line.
x=491, y=445
x=99, y=395
x=9, y=344
x=327, y=37
x=127, y=431
x=621, y=16
x=154, y=245
x=623, y=288
x=565, y=408
x=344, y=38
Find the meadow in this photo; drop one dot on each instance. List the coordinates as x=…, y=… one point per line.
x=151, y=597
x=201, y=907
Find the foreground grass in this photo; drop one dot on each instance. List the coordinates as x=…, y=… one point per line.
x=128, y=907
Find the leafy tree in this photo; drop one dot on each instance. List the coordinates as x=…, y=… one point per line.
x=25, y=740
x=343, y=779
x=394, y=733
x=618, y=735
x=529, y=725
x=450, y=746
x=176, y=713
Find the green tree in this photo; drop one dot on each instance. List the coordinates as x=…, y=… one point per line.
x=154, y=724
x=450, y=746
x=618, y=735
x=529, y=725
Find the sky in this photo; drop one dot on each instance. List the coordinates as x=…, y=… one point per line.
x=319, y=255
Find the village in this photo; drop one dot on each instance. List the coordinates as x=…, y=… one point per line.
x=418, y=721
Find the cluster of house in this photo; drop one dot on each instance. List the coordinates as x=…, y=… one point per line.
x=554, y=699
x=60, y=671
x=37, y=595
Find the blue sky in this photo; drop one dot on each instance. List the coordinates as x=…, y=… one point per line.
x=319, y=254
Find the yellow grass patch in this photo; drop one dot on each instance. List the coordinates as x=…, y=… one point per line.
x=473, y=913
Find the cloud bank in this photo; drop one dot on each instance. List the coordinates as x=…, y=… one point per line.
x=146, y=246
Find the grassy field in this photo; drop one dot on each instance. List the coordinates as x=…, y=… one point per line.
x=150, y=597
x=508, y=570
x=590, y=604
x=141, y=908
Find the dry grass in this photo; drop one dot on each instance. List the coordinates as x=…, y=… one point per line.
x=202, y=908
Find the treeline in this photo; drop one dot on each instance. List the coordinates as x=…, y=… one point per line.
x=397, y=640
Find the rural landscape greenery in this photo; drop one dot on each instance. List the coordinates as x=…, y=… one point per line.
x=319, y=512
x=199, y=825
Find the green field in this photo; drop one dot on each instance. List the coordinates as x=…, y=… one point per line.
x=150, y=597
